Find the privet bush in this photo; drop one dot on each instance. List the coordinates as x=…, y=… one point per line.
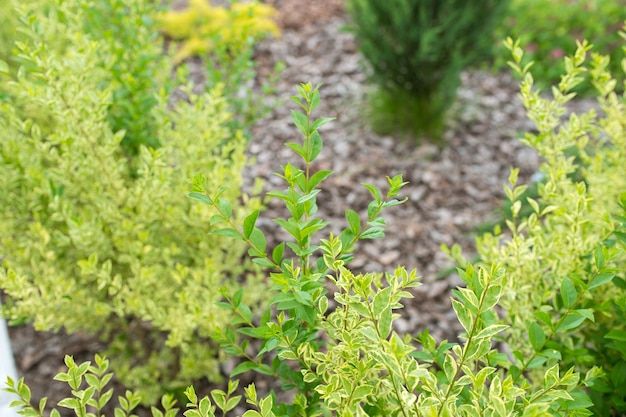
x=339, y=352
x=94, y=241
x=558, y=258
x=416, y=50
x=346, y=359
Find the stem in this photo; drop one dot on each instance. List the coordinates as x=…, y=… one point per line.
x=465, y=349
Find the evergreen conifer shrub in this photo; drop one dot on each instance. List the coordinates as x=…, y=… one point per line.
x=93, y=237
x=416, y=50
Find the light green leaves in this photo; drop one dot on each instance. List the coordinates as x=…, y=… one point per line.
x=568, y=293
x=249, y=222
x=536, y=336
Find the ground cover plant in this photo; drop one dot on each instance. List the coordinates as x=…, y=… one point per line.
x=415, y=51
x=90, y=239
x=549, y=30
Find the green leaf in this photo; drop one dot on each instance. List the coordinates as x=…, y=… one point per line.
x=224, y=206
x=277, y=253
x=375, y=192
x=354, y=221
x=297, y=148
x=203, y=198
x=490, y=331
x=616, y=335
x=568, y=293
x=303, y=298
x=228, y=232
x=237, y=297
x=601, y=279
x=450, y=368
x=204, y=406
x=318, y=177
x=190, y=393
x=232, y=403
x=243, y=367
x=4, y=68
x=258, y=240
x=71, y=403
x=216, y=219
x=381, y=301
x=249, y=222
x=219, y=398
x=463, y=315
x=536, y=336
x=543, y=317
x=308, y=196
x=369, y=333
x=392, y=203
x=301, y=121
x=384, y=322
x=572, y=320
x=373, y=233
x=321, y=122
x=263, y=262
x=315, y=144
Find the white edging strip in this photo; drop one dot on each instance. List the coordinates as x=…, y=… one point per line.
x=7, y=368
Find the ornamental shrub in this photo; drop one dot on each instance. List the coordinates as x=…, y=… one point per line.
x=416, y=50
x=93, y=238
x=565, y=262
x=344, y=358
x=339, y=352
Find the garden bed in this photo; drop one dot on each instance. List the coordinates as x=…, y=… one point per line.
x=452, y=188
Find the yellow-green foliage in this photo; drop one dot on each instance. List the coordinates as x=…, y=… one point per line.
x=201, y=25
x=94, y=242
x=558, y=258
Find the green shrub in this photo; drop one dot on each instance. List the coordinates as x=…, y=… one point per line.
x=551, y=289
x=416, y=51
x=93, y=241
x=347, y=360
x=573, y=241
x=550, y=29
x=134, y=72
